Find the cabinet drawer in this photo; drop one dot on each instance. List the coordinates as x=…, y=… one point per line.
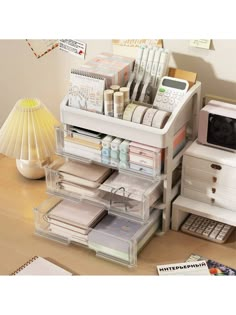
x=213, y=168
x=218, y=199
x=126, y=194
x=218, y=179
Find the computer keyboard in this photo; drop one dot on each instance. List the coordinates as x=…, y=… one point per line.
x=208, y=229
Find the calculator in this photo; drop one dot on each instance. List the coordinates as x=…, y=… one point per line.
x=170, y=92
x=208, y=229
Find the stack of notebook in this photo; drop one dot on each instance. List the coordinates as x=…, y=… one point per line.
x=82, y=178
x=84, y=143
x=73, y=220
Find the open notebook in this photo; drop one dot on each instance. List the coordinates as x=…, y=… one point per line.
x=38, y=266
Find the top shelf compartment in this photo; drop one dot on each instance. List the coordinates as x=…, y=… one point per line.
x=184, y=113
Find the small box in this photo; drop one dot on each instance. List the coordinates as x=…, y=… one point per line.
x=106, y=142
x=115, y=69
x=124, y=146
x=115, y=144
x=106, y=152
x=124, y=157
x=115, y=155
x=145, y=155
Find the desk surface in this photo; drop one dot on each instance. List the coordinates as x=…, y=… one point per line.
x=18, y=243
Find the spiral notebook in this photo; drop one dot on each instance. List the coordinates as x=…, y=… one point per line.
x=38, y=266
x=86, y=91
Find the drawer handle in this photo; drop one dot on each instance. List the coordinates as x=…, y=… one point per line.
x=214, y=179
x=216, y=167
x=212, y=200
x=213, y=190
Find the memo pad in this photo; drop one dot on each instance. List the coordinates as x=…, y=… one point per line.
x=90, y=175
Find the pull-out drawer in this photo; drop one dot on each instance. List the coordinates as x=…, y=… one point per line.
x=72, y=145
x=216, y=180
x=127, y=195
x=112, y=237
x=222, y=171
x=218, y=196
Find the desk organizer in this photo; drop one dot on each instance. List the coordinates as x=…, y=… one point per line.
x=137, y=201
x=185, y=114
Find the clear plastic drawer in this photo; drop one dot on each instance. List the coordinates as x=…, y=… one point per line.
x=111, y=237
x=125, y=194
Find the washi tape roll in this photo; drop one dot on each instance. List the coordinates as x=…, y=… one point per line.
x=160, y=119
x=125, y=91
x=148, y=117
x=115, y=87
x=108, y=103
x=129, y=110
x=138, y=114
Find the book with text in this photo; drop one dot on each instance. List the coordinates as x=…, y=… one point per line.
x=198, y=268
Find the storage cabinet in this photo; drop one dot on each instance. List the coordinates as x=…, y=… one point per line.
x=208, y=187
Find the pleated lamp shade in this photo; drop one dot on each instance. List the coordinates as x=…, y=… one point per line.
x=28, y=132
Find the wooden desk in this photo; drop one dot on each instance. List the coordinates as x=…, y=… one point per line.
x=18, y=243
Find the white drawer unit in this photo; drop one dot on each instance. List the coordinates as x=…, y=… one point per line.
x=208, y=176
x=208, y=186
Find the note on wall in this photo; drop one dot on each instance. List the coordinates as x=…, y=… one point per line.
x=73, y=46
x=41, y=47
x=200, y=43
x=128, y=47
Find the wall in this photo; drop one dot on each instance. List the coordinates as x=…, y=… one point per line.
x=47, y=78
x=216, y=67
x=23, y=75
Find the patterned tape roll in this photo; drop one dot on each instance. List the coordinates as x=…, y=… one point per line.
x=129, y=110
x=148, y=117
x=138, y=114
x=160, y=119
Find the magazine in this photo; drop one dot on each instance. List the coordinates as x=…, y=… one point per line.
x=215, y=268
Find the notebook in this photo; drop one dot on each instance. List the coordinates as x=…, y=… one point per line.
x=90, y=175
x=80, y=190
x=38, y=266
x=86, y=91
x=82, y=213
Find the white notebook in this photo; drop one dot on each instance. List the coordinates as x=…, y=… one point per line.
x=38, y=266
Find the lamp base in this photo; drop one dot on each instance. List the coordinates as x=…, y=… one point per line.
x=31, y=169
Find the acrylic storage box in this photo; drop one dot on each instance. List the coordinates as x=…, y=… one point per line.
x=125, y=194
x=111, y=237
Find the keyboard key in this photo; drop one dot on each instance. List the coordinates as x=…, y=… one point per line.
x=206, y=228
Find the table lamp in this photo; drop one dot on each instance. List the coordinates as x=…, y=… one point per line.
x=28, y=135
